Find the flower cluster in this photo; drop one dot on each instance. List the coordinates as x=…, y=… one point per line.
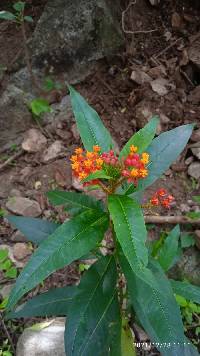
x=85, y=163
x=161, y=197
x=135, y=165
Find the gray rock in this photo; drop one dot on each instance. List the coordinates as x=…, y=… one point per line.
x=15, y=193
x=23, y=206
x=188, y=267
x=15, y=117
x=43, y=341
x=196, y=151
x=5, y=290
x=189, y=160
x=194, y=170
x=17, y=236
x=21, y=251
x=140, y=77
x=74, y=33
x=34, y=141
x=54, y=151
x=161, y=86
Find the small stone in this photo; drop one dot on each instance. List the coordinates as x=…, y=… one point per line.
x=54, y=151
x=176, y=20
x=164, y=119
x=15, y=193
x=18, y=264
x=157, y=72
x=195, y=136
x=196, y=151
x=23, y=206
x=34, y=141
x=194, y=170
x=21, y=251
x=184, y=208
x=189, y=160
x=46, y=340
x=38, y=185
x=75, y=132
x=161, y=86
x=140, y=77
x=194, y=96
x=17, y=236
x=5, y=291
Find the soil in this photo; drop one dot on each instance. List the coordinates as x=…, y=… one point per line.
x=117, y=99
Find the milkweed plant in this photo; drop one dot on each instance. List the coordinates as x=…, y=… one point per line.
x=125, y=281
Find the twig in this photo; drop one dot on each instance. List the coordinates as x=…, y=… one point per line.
x=157, y=219
x=10, y=159
x=7, y=333
x=123, y=22
x=187, y=78
x=166, y=48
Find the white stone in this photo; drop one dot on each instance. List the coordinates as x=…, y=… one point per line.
x=34, y=141
x=140, y=77
x=54, y=151
x=160, y=86
x=43, y=341
x=196, y=151
x=194, y=170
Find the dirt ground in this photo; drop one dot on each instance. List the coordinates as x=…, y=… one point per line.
x=159, y=45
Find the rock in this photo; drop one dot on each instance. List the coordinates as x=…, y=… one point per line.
x=75, y=132
x=15, y=193
x=161, y=86
x=15, y=117
x=176, y=20
x=17, y=236
x=21, y=251
x=189, y=160
x=187, y=267
x=5, y=290
x=184, y=208
x=46, y=340
x=195, y=136
x=25, y=173
x=140, y=77
x=194, y=170
x=194, y=51
x=54, y=151
x=23, y=206
x=34, y=141
x=72, y=34
x=196, y=151
x=194, y=96
x=157, y=72
x=17, y=263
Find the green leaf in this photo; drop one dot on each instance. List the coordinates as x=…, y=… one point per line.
x=19, y=6
x=11, y=273
x=186, y=290
x=39, y=106
x=74, y=202
x=93, y=322
x=163, y=151
x=131, y=233
x=127, y=342
x=196, y=198
x=90, y=126
x=69, y=242
x=142, y=138
x=169, y=249
x=7, y=15
x=157, y=310
x=28, y=18
x=187, y=240
x=54, y=302
x=3, y=254
x=97, y=175
x=36, y=230
x=193, y=215
x=6, y=265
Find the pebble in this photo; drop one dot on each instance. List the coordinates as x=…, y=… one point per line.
x=196, y=151
x=195, y=136
x=194, y=170
x=53, y=151
x=140, y=77
x=160, y=86
x=23, y=206
x=15, y=193
x=17, y=236
x=5, y=290
x=21, y=251
x=189, y=160
x=34, y=141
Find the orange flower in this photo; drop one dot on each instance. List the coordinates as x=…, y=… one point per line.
x=79, y=151
x=96, y=149
x=133, y=149
x=145, y=158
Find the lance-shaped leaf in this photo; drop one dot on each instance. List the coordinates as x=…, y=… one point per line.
x=169, y=250
x=94, y=325
x=56, y=302
x=74, y=202
x=163, y=151
x=7, y=15
x=69, y=242
x=131, y=233
x=158, y=311
x=127, y=342
x=34, y=229
x=142, y=138
x=186, y=290
x=90, y=126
